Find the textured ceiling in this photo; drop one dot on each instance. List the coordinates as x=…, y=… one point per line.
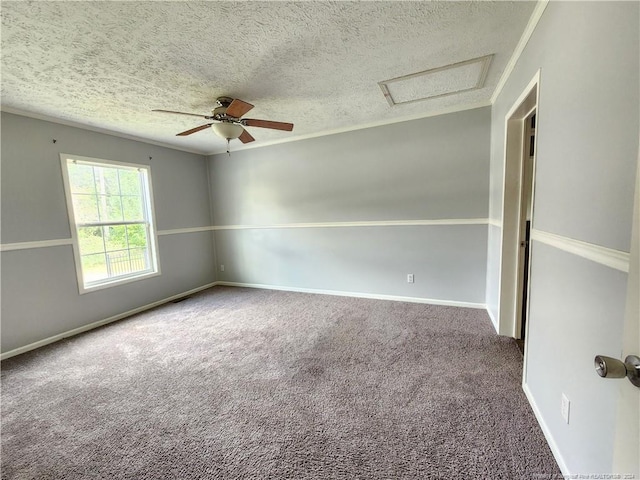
x=316, y=64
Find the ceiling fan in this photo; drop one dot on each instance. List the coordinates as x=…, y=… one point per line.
x=226, y=121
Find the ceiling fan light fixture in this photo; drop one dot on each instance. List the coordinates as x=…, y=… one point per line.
x=227, y=130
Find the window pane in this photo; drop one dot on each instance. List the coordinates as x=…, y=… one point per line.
x=137, y=235
x=127, y=261
x=85, y=208
x=107, y=181
x=110, y=208
x=81, y=178
x=90, y=240
x=132, y=207
x=118, y=263
x=94, y=267
x=129, y=182
x=115, y=238
x=139, y=259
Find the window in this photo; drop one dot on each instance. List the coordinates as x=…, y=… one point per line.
x=111, y=221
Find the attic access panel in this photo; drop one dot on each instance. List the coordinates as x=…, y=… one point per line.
x=437, y=82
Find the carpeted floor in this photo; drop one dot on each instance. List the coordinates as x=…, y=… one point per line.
x=239, y=383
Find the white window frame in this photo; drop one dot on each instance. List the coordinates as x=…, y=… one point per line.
x=149, y=214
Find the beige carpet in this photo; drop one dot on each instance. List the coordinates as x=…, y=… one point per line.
x=251, y=384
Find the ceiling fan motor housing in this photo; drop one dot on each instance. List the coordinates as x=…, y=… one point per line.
x=219, y=113
x=224, y=101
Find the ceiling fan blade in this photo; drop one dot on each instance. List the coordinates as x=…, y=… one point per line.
x=237, y=108
x=193, y=130
x=181, y=113
x=246, y=137
x=252, y=122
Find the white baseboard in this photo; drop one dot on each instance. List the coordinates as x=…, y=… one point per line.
x=99, y=323
x=397, y=298
x=547, y=433
x=493, y=320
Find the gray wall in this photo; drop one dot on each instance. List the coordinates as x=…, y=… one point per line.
x=434, y=168
x=587, y=136
x=39, y=286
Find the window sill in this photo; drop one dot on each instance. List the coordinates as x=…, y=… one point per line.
x=116, y=282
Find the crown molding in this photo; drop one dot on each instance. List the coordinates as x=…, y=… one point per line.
x=524, y=39
x=363, y=126
x=105, y=131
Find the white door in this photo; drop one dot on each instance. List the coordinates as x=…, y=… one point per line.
x=626, y=458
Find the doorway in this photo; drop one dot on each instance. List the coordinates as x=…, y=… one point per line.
x=526, y=216
x=521, y=125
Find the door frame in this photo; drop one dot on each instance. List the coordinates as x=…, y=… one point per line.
x=524, y=252
x=511, y=264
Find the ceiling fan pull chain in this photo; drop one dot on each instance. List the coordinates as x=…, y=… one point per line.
x=228, y=142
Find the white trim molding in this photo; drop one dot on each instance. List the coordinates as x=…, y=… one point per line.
x=185, y=230
x=495, y=223
x=382, y=223
x=596, y=253
x=511, y=215
x=524, y=39
x=209, y=228
x=7, y=247
x=339, y=293
x=99, y=323
x=547, y=433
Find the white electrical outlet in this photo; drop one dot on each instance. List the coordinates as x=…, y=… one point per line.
x=564, y=409
x=410, y=278
x=222, y=268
